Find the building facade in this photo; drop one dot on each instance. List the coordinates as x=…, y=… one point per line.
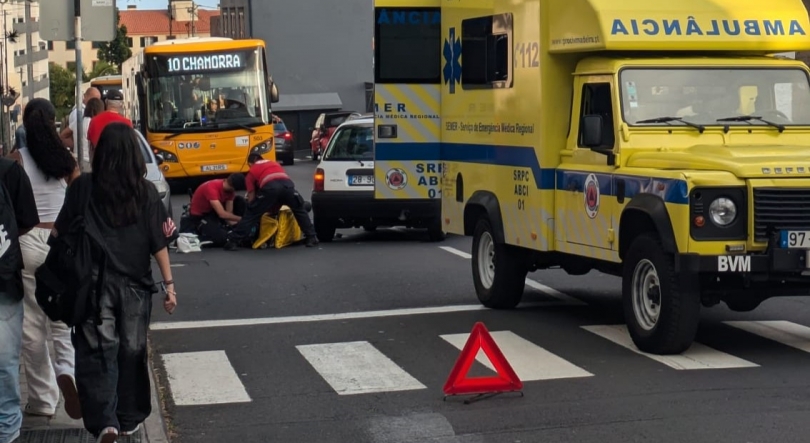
x=234, y=19
x=181, y=19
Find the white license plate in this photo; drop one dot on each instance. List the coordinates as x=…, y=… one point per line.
x=213, y=168
x=361, y=180
x=795, y=239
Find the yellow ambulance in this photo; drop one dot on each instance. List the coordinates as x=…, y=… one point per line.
x=667, y=143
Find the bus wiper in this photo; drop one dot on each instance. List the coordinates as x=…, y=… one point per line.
x=700, y=128
x=748, y=118
x=239, y=125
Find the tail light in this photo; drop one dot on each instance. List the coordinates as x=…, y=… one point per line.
x=288, y=135
x=319, y=178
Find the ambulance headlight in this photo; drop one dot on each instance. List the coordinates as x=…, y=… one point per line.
x=722, y=211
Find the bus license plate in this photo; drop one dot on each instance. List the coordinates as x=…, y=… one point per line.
x=361, y=180
x=795, y=239
x=212, y=168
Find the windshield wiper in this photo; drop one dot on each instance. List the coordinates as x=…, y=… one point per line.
x=700, y=128
x=238, y=125
x=748, y=118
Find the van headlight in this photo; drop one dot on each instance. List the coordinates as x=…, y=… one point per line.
x=722, y=211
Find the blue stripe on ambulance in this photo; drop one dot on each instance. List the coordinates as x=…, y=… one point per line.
x=675, y=191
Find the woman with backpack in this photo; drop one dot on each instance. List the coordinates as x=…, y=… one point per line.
x=111, y=358
x=50, y=168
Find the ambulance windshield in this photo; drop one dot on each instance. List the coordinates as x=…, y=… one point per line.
x=715, y=96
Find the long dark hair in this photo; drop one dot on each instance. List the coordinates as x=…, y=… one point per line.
x=49, y=153
x=93, y=108
x=119, y=185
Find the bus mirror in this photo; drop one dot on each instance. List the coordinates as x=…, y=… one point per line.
x=273, y=93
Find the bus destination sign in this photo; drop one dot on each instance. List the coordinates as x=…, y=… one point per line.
x=188, y=63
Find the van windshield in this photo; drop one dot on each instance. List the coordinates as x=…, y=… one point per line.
x=715, y=96
x=351, y=143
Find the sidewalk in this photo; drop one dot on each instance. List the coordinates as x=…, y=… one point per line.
x=62, y=429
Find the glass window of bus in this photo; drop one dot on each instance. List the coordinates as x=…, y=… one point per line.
x=351, y=143
x=704, y=95
x=407, y=45
x=207, y=91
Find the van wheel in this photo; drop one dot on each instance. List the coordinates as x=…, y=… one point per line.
x=324, y=229
x=435, y=231
x=499, y=271
x=661, y=308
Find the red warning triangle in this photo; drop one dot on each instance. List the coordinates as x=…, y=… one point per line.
x=506, y=380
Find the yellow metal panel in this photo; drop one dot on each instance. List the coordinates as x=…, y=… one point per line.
x=223, y=45
x=686, y=25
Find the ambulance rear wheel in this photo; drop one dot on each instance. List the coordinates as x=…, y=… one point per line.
x=661, y=308
x=499, y=273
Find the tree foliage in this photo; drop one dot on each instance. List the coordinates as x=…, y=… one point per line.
x=63, y=88
x=117, y=51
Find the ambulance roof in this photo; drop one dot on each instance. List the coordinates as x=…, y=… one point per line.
x=680, y=25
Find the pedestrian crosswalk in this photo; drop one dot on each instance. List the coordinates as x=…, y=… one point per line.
x=363, y=366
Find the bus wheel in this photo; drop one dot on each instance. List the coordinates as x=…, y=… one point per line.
x=661, y=308
x=499, y=273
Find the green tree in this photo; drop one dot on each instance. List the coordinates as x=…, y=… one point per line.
x=102, y=68
x=63, y=89
x=117, y=51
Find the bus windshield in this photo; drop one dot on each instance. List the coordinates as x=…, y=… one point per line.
x=192, y=92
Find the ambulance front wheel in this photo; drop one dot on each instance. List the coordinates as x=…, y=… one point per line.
x=499, y=272
x=661, y=308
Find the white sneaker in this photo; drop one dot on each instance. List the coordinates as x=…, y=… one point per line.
x=132, y=432
x=108, y=435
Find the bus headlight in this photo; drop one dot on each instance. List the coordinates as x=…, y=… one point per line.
x=262, y=148
x=722, y=211
x=167, y=156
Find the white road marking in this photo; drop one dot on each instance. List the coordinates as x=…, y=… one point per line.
x=698, y=356
x=455, y=251
x=163, y=326
x=785, y=332
x=530, y=362
x=357, y=368
x=529, y=282
x=203, y=378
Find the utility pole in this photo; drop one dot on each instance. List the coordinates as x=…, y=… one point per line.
x=78, y=136
x=193, y=11
x=4, y=127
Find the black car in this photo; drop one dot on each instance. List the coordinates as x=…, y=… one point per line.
x=285, y=150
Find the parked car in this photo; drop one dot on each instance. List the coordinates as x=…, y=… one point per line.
x=343, y=190
x=285, y=146
x=324, y=128
x=154, y=174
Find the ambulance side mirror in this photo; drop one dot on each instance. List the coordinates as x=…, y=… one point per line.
x=591, y=130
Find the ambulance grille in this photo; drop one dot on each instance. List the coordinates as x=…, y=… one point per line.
x=777, y=209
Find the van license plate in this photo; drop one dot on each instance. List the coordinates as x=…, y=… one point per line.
x=361, y=180
x=795, y=239
x=212, y=168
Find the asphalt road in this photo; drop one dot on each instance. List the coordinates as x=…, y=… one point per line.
x=353, y=341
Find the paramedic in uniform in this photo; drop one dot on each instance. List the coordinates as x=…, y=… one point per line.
x=269, y=186
x=215, y=205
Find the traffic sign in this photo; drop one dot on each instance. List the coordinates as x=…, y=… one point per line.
x=506, y=380
x=57, y=20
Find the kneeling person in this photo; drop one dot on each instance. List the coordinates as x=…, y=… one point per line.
x=215, y=206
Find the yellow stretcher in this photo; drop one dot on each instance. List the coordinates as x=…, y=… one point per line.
x=279, y=231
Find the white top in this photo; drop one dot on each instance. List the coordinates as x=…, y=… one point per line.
x=85, y=142
x=49, y=194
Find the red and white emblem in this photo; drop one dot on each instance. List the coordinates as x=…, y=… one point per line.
x=592, y=196
x=169, y=227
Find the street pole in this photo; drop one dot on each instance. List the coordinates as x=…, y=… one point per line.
x=77, y=144
x=4, y=127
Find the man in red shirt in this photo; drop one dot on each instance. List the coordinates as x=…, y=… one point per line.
x=114, y=103
x=268, y=187
x=214, y=206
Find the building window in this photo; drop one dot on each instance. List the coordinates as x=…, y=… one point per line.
x=486, y=48
x=50, y=46
x=171, y=37
x=233, y=22
x=129, y=42
x=241, y=22
x=148, y=41
x=71, y=66
x=70, y=45
x=96, y=45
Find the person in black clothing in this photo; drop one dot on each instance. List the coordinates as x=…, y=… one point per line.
x=18, y=187
x=113, y=385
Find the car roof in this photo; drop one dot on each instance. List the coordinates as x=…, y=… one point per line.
x=364, y=121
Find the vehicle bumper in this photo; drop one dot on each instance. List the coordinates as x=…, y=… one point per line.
x=357, y=208
x=284, y=150
x=775, y=272
x=194, y=168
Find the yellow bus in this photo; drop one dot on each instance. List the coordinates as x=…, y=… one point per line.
x=203, y=104
x=105, y=83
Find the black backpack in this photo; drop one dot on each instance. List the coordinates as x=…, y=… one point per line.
x=72, y=276
x=11, y=262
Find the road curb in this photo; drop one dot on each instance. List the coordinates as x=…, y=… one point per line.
x=154, y=427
